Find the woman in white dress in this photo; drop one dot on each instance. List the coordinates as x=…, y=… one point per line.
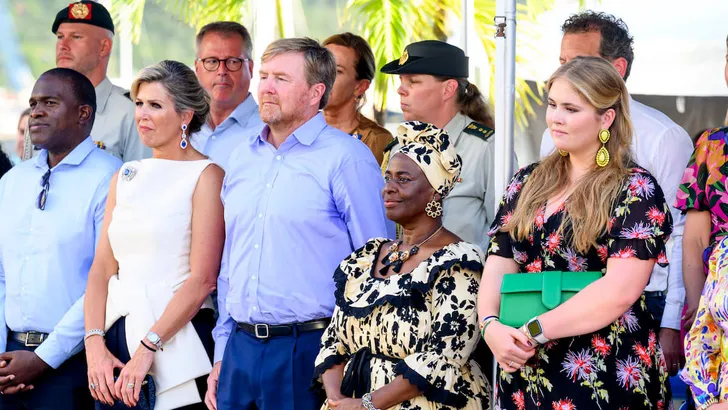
x=147, y=308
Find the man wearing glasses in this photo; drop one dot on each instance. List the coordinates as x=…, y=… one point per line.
x=51, y=211
x=224, y=67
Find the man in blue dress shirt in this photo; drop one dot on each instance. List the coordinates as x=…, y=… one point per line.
x=224, y=67
x=299, y=197
x=51, y=210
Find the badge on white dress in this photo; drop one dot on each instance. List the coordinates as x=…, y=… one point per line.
x=128, y=173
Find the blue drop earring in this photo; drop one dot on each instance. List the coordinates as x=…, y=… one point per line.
x=183, y=143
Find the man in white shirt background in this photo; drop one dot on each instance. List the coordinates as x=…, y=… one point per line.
x=659, y=145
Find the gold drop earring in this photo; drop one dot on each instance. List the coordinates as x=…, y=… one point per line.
x=603, y=154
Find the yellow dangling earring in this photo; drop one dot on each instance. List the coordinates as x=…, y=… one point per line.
x=603, y=154
x=563, y=153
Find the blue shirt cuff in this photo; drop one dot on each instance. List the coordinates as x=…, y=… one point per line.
x=51, y=353
x=220, y=344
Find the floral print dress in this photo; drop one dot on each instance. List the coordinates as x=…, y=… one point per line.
x=703, y=186
x=706, y=348
x=421, y=325
x=620, y=366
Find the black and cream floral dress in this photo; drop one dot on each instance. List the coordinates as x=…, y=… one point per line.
x=421, y=325
x=619, y=367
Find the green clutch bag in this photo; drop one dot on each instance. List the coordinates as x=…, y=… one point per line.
x=526, y=295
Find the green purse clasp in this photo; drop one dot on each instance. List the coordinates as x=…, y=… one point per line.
x=551, y=285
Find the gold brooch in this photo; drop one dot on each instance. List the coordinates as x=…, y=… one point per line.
x=404, y=58
x=80, y=11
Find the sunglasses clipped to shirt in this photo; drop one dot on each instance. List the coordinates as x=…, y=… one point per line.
x=45, y=182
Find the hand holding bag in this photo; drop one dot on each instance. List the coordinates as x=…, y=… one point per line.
x=527, y=295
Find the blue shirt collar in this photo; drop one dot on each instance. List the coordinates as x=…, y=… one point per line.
x=75, y=157
x=306, y=134
x=242, y=113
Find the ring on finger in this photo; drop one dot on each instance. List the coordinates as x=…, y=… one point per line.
x=130, y=386
x=92, y=386
x=510, y=364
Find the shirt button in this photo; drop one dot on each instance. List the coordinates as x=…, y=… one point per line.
x=278, y=158
x=256, y=246
x=267, y=185
x=260, y=215
x=254, y=277
x=255, y=308
x=213, y=137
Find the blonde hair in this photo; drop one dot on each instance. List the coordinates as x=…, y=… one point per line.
x=589, y=207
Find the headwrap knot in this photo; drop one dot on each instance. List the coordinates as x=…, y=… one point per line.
x=430, y=148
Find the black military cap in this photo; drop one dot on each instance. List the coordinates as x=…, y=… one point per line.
x=87, y=12
x=430, y=57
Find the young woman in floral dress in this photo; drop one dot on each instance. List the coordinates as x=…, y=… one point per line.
x=574, y=213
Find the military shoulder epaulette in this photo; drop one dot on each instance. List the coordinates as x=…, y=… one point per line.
x=479, y=130
x=390, y=145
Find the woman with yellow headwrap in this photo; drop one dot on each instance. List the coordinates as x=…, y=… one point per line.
x=405, y=322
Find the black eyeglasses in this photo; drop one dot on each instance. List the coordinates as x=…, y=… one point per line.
x=45, y=182
x=232, y=63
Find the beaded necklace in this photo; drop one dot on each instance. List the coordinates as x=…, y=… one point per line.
x=395, y=258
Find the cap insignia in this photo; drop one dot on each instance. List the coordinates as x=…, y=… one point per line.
x=79, y=11
x=404, y=58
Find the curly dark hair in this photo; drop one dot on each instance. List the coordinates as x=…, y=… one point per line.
x=616, y=41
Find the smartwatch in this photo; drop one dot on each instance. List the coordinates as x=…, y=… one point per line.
x=155, y=339
x=535, y=331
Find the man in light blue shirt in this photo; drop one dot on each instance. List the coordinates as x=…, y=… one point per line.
x=299, y=197
x=224, y=67
x=51, y=211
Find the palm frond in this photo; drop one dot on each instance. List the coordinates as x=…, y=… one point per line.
x=527, y=12
x=389, y=25
x=128, y=14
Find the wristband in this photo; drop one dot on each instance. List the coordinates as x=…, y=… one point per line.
x=148, y=347
x=485, y=320
x=486, y=324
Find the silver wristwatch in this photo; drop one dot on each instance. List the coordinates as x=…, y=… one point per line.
x=155, y=339
x=366, y=401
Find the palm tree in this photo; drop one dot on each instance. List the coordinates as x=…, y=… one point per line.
x=388, y=25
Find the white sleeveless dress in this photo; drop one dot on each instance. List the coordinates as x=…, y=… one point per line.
x=150, y=234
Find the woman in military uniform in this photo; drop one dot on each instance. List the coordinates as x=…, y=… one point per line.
x=435, y=89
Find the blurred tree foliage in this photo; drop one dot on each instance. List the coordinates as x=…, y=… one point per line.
x=164, y=36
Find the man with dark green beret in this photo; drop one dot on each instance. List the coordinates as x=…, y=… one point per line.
x=435, y=89
x=85, y=34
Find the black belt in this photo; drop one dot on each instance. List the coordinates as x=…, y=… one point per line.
x=29, y=339
x=656, y=294
x=265, y=331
